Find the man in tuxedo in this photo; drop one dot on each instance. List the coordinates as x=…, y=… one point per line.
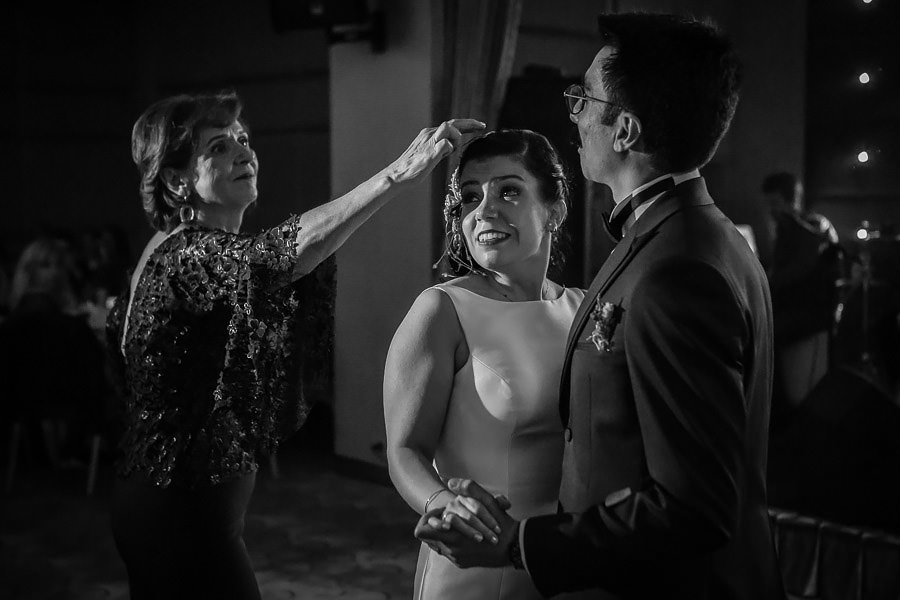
x=666, y=387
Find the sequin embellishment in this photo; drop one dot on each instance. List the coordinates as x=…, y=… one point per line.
x=211, y=365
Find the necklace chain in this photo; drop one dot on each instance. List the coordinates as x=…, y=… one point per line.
x=497, y=287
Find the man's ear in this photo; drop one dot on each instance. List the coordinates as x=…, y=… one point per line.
x=628, y=132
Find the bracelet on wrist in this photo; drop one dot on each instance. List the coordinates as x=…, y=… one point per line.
x=433, y=496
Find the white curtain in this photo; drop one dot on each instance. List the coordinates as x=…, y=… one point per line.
x=480, y=44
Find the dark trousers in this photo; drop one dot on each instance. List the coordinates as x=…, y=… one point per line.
x=180, y=543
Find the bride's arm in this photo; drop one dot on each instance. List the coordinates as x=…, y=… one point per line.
x=418, y=380
x=325, y=228
x=427, y=350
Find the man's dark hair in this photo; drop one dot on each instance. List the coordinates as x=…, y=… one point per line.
x=784, y=184
x=680, y=76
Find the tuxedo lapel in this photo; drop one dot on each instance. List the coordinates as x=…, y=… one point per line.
x=618, y=260
x=690, y=193
x=621, y=255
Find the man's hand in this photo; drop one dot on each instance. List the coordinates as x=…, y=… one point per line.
x=449, y=532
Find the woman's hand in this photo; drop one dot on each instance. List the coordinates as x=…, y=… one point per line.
x=432, y=145
x=471, y=518
x=459, y=548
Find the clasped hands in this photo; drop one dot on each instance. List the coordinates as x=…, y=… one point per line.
x=473, y=530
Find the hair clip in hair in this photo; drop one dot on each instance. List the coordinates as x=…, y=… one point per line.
x=453, y=198
x=455, y=249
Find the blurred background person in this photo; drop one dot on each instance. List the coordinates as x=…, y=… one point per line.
x=45, y=277
x=833, y=445
x=105, y=258
x=53, y=365
x=807, y=261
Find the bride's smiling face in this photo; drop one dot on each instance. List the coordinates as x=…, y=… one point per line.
x=504, y=216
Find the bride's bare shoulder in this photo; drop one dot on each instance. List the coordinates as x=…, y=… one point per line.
x=471, y=283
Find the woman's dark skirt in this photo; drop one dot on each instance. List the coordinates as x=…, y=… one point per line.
x=180, y=543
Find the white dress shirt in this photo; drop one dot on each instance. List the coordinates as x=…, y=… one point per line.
x=641, y=209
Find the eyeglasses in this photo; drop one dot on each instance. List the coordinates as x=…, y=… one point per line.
x=575, y=98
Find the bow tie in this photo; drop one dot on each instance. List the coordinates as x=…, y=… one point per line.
x=615, y=223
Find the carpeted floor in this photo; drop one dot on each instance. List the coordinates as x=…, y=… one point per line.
x=312, y=533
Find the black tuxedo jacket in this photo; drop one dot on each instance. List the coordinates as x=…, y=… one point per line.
x=663, y=487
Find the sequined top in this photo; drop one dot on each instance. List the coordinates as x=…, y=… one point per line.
x=209, y=365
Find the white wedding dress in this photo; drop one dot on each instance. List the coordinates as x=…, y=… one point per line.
x=502, y=427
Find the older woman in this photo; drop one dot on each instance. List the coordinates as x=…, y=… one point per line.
x=472, y=375
x=206, y=341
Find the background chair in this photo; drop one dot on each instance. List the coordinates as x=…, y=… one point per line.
x=53, y=389
x=822, y=560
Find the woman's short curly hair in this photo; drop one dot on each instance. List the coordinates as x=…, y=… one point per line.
x=166, y=136
x=538, y=155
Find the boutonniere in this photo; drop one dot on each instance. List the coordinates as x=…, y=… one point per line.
x=606, y=316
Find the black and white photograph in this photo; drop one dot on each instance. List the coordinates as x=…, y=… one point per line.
x=450, y=300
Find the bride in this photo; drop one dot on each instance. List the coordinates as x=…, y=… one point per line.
x=472, y=374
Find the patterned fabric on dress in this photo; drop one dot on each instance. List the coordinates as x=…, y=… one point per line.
x=210, y=364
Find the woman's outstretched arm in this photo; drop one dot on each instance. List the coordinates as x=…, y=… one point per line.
x=325, y=228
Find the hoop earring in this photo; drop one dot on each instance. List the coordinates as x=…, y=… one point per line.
x=187, y=214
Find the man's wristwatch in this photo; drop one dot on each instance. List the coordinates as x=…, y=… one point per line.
x=515, y=553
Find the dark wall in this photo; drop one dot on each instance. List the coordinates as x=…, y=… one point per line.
x=846, y=116
x=79, y=74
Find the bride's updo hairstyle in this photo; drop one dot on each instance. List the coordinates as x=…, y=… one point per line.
x=165, y=136
x=538, y=155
